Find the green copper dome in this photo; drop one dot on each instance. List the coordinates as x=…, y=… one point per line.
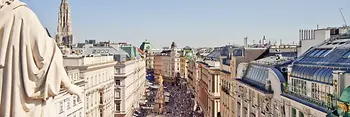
x=146, y=46
x=343, y=104
x=345, y=95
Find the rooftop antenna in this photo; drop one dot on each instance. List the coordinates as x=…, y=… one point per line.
x=346, y=26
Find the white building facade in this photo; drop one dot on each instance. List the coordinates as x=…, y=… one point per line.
x=130, y=79
x=258, y=88
x=69, y=105
x=98, y=74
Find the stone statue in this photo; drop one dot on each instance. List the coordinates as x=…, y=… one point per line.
x=31, y=64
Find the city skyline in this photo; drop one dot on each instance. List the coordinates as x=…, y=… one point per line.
x=193, y=23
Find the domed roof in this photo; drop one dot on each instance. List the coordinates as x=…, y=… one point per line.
x=173, y=45
x=344, y=102
x=189, y=55
x=345, y=95
x=145, y=46
x=187, y=48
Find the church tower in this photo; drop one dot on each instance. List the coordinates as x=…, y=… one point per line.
x=64, y=29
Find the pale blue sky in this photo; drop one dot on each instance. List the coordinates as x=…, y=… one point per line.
x=192, y=22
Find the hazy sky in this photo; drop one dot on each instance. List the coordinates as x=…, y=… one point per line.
x=192, y=22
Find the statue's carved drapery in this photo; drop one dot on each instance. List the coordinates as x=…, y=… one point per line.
x=31, y=64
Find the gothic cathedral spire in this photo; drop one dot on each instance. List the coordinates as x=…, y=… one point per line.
x=64, y=29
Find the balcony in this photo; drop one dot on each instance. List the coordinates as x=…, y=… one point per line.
x=330, y=104
x=226, y=90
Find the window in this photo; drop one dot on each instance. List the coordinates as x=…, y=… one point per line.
x=74, y=101
x=117, y=82
x=88, y=81
x=87, y=101
x=294, y=112
x=117, y=94
x=117, y=106
x=301, y=114
x=68, y=103
x=117, y=70
x=61, y=107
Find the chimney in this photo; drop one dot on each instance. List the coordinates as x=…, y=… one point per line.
x=246, y=42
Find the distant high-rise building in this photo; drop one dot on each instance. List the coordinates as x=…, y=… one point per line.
x=64, y=35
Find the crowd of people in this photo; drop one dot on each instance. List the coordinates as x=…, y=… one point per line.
x=181, y=103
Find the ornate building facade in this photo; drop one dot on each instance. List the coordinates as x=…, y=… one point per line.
x=98, y=74
x=130, y=79
x=259, y=85
x=69, y=105
x=167, y=63
x=230, y=58
x=318, y=80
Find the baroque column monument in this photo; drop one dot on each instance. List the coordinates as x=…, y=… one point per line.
x=31, y=64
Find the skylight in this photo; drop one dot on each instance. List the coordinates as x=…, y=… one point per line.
x=320, y=52
x=346, y=55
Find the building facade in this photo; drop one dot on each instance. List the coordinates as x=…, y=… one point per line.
x=231, y=57
x=158, y=65
x=318, y=80
x=175, y=61
x=184, y=67
x=193, y=75
x=208, y=96
x=98, y=73
x=69, y=105
x=259, y=85
x=167, y=63
x=130, y=79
